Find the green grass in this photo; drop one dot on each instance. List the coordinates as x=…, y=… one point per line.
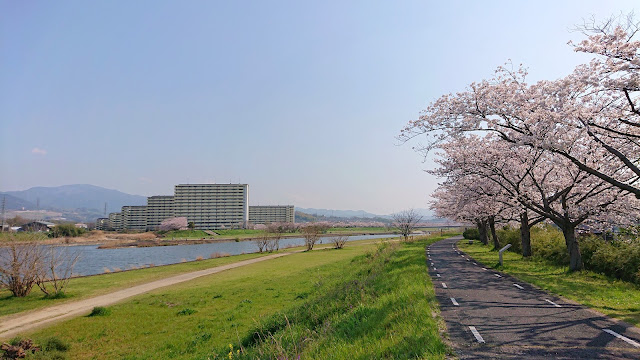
x=612, y=297
x=182, y=234
x=85, y=287
x=374, y=302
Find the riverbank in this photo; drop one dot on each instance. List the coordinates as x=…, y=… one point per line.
x=112, y=240
x=362, y=288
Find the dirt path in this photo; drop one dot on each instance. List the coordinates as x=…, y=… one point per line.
x=12, y=325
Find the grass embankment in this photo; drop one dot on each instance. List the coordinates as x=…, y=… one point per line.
x=615, y=298
x=364, y=301
x=85, y=287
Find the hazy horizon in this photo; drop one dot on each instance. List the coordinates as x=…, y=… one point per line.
x=300, y=101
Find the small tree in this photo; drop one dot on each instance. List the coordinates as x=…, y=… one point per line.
x=339, y=241
x=311, y=234
x=406, y=221
x=262, y=242
x=20, y=266
x=56, y=270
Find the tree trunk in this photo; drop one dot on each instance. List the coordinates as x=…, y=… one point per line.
x=482, y=229
x=492, y=226
x=525, y=234
x=575, y=258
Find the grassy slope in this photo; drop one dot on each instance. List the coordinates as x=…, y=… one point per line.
x=395, y=310
x=615, y=298
x=96, y=285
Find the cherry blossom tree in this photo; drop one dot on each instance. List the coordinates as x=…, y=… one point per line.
x=539, y=181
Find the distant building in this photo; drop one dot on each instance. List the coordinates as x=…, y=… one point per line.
x=213, y=206
x=102, y=224
x=134, y=218
x=81, y=226
x=271, y=214
x=159, y=208
x=37, y=226
x=115, y=221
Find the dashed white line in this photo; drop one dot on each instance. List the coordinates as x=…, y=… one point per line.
x=462, y=255
x=444, y=285
x=552, y=303
x=476, y=264
x=434, y=268
x=623, y=338
x=468, y=259
x=454, y=302
x=485, y=269
x=497, y=275
x=476, y=334
x=438, y=275
x=518, y=286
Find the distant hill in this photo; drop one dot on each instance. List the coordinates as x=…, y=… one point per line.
x=426, y=213
x=338, y=213
x=71, y=197
x=15, y=203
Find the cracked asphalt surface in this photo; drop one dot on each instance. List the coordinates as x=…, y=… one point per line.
x=495, y=319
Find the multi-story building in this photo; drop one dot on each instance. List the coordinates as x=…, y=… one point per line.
x=159, y=208
x=115, y=221
x=102, y=224
x=134, y=218
x=271, y=214
x=213, y=206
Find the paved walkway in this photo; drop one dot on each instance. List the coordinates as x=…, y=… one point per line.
x=13, y=325
x=490, y=315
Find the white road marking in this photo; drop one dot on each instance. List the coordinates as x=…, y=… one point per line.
x=518, y=286
x=476, y=334
x=438, y=275
x=476, y=264
x=552, y=303
x=468, y=259
x=484, y=269
x=432, y=264
x=444, y=285
x=497, y=275
x=434, y=268
x=462, y=255
x=454, y=302
x=623, y=338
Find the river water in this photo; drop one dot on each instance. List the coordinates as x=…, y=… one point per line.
x=95, y=261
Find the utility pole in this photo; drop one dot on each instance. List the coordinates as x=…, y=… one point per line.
x=4, y=201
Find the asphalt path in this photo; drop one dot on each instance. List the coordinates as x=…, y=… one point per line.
x=490, y=315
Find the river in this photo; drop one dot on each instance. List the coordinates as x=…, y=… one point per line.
x=95, y=261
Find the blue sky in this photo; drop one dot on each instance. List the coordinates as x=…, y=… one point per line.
x=301, y=100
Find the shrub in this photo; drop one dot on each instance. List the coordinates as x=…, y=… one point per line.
x=55, y=344
x=186, y=311
x=548, y=243
x=100, y=311
x=509, y=235
x=471, y=234
x=63, y=230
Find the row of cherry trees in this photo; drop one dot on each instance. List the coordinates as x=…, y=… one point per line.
x=565, y=151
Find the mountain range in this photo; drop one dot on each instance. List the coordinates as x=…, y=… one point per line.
x=85, y=202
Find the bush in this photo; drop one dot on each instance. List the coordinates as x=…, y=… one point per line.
x=68, y=230
x=547, y=243
x=100, y=311
x=186, y=311
x=55, y=344
x=509, y=235
x=471, y=234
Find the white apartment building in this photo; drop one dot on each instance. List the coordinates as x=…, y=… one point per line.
x=159, y=208
x=134, y=217
x=213, y=206
x=271, y=214
x=115, y=221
